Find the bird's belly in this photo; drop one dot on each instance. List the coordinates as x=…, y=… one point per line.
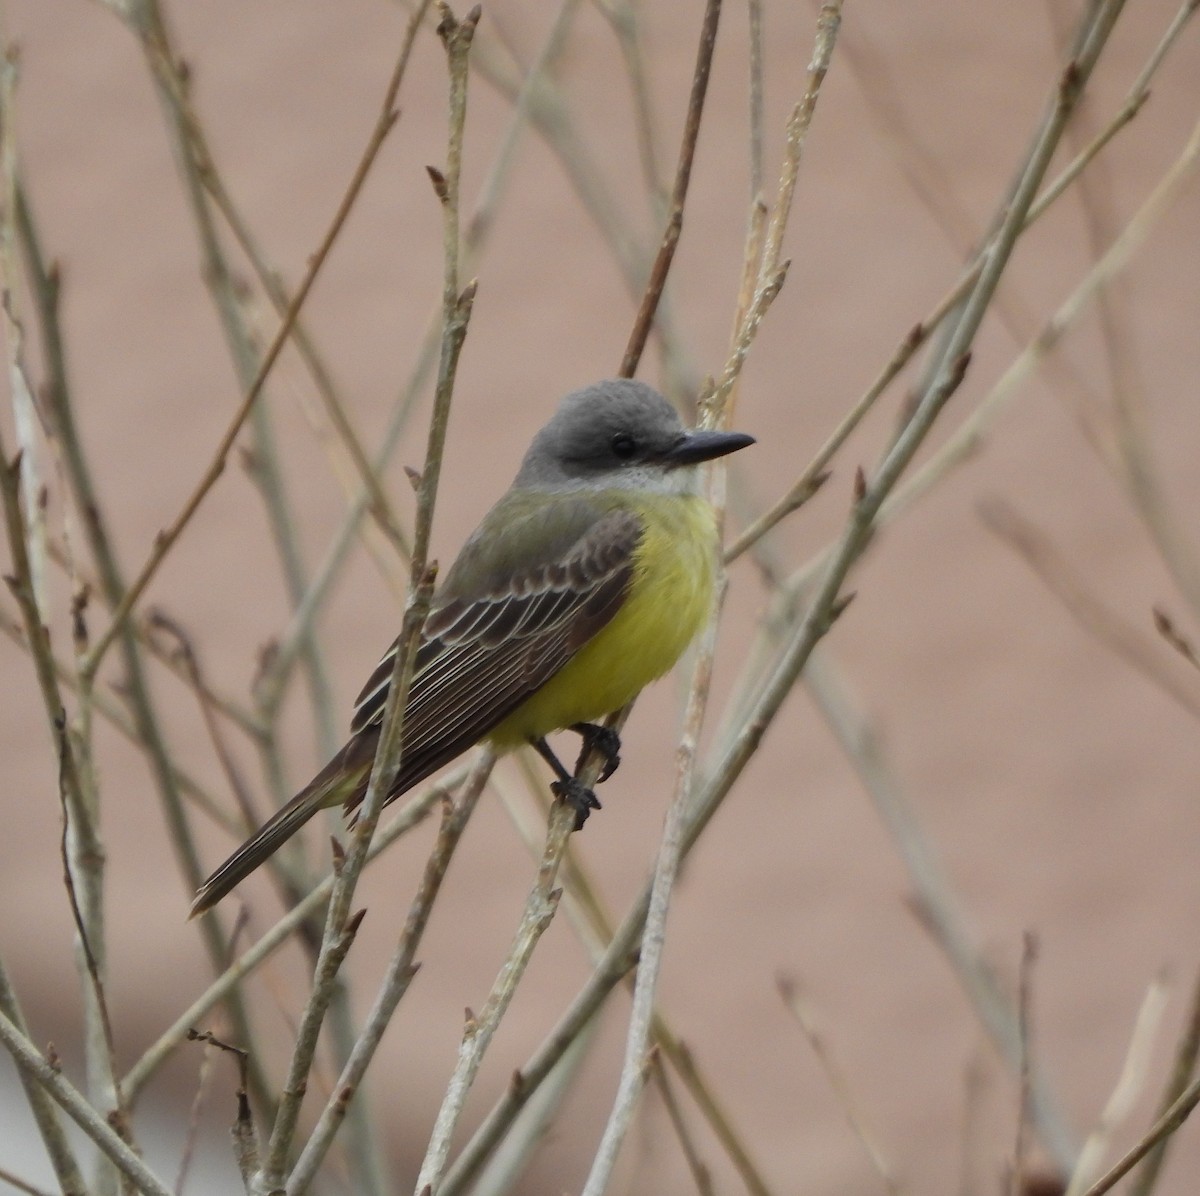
x=667, y=605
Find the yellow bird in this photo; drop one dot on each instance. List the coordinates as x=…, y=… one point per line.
x=584, y=583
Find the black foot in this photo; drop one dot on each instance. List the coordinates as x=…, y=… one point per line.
x=567, y=788
x=578, y=796
x=604, y=740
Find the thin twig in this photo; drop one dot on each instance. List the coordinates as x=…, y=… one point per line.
x=764, y=247
x=965, y=440
x=415, y=812
x=45, y=1111
x=103, y=1060
x=829, y=21
x=700, y=1171
x=789, y=990
x=334, y=948
x=169, y=535
x=622, y=18
x=618, y=958
x=644, y=319
x=166, y=67
x=595, y=928
x=81, y=848
x=539, y=910
x=243, y=1133
x=934, y=900
x=19, y=1185
x=551, y=117
x=1182, y=1070
x=935, y=187
x=401, y=969
x=1128, y=1088
x=1136, y=648
x=1029, y=952
x=340, y=924
x=24, y=410
x=115, y=714
x=825, y=602
x=1162, y=1129
x=62, y=428
x=501, y=1176
x=196, y=1109
x=32, y=1064
x=756, y=80
x=1165, y=625
x=225, y=291
x=1132, y=442
x=185, y=652
x=919, y=334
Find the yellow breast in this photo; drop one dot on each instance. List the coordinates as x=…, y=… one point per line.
x=667, y=604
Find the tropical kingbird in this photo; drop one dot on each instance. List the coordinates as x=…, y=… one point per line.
x=584, y=583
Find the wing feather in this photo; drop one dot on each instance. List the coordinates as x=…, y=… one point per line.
x=484, y=653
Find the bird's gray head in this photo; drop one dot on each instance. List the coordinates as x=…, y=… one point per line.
x=620, y=434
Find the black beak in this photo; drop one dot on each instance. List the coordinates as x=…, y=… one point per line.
x=703, y=444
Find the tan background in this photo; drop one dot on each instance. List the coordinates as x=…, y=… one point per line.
x=1058, y=787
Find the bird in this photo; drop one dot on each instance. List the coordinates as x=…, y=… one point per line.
x=583, y=583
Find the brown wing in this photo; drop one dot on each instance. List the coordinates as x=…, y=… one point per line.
x=484, y=653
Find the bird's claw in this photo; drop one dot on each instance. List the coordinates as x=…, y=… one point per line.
x=604, y=740
x=578, y=796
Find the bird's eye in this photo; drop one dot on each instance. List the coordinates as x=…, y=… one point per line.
x=624, y=445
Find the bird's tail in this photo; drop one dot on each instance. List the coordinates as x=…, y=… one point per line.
x=337, y=783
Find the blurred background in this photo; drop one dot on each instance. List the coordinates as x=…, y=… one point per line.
x=1050, y=775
